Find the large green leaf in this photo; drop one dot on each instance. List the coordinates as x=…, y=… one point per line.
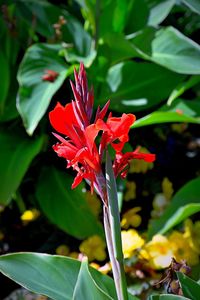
x=194, y=5
x=16, y=152
x=4, y=82
x=65, y=207
x=170, y=49
x=182, y=87
x=135, y=86
x=179, y=215
x=160, y=11
x=190, y=288
x=34, y=93
x=180, y=111
x=167, y=297
x=184, y=203
x=86, y=287
x=53, y=276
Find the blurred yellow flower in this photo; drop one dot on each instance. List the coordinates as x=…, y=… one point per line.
x=93, y=248
x=139, y=165
x=167, y=188
x=30, y=215
x=93, y=202
x=103, y=269
x=192, y=233
x=181, y=248
x=62, y=250
x=158, y=252
x=130, y=192
x=1, y=235
x=131, y=218
x=73, y=254
x=179, y=127
x=131, y=241
x=159, y=204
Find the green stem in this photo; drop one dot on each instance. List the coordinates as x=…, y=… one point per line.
x=115, y=231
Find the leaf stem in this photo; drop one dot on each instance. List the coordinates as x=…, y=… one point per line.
x=113, y=232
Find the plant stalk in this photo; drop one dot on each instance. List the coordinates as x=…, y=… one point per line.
x=113, y=232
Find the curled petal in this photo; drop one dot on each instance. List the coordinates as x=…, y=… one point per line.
x=63, y=117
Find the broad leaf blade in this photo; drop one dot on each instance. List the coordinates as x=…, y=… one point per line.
x=17, y=152
x=187, y=195
x=175, y=51
x=160, y=11
x=179, y=215
x=180, y=111
x=4, y=82
x=194, y=5
x=51, y=275
x=190, y=288
x=130, y=87
x=86, y=287
x=34, y=93
x=65, y=207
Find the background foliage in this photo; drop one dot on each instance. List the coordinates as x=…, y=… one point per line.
x=143, y=55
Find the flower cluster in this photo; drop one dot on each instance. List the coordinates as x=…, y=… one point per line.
x=80, y=127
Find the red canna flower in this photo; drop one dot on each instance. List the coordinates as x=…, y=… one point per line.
x=50, y=75
x=79, y=147
x=122, y=161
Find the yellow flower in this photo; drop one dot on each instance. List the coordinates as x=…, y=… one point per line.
x=131, y=218
x=93, y=248
x=30, y=215
x=179, y=127
x=130, y=242
x=130, y=191
x=158, y=252
x=192, y=233
x=159, y=204
x=103, y=269
x=139, y=165
x=94, y=203
x=167, y=188
x=62, y=250
x=181, y=248
x=74, y=254
x=1, y=235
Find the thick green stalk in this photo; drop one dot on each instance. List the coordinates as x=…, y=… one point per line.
x=113, y=216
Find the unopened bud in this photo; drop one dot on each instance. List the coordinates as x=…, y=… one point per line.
x=175, y=286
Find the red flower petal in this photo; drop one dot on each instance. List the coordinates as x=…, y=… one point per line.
x=63, y=117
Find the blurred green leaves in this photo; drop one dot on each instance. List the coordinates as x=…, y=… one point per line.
x=65, y=208
x=17, y=152
x=35, y=94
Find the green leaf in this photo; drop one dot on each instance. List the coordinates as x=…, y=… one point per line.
x=34, y=93
x=190, y=288
x=4, y=82
x=134, y=86
x=180, y=215
x=65, y=207
x=16, y=152
x=182, y=87
x=86, y=287
x=167, y=297
x=186, y=196
x=194, y=5
x=50, y=275
x=172, y=50
x=180, y=111
x=160, y=11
